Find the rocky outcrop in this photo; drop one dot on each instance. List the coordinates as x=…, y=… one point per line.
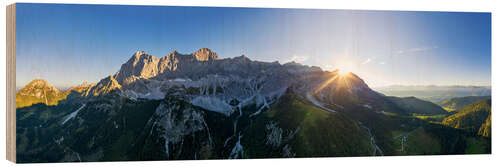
x=36, y=86
x=140, y=65
x=224, y=85
x=176, y=122
x=82, y=89
x=205, y=54
x=144, y=66
x=104, y=86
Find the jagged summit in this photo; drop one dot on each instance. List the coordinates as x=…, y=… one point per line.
x=38, y=84
x=145, y=75
x=104, y=86
x=139, y=54
x=143, y=65
x=83, y=89
x=174, y=52
x=205, y=54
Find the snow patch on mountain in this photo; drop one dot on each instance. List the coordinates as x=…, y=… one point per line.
x=237, y=151
x=146, y=89
x=213, y=104
x=317, y=103
x=154, y=94
x=73, y=114
x=181, y=80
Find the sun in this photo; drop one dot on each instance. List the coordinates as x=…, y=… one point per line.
x=344, y=67
x=342, y=78
x=343, y=72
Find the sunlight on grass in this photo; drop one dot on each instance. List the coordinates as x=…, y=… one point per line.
x=448, y=109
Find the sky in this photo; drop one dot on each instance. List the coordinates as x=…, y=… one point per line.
x=70, y=44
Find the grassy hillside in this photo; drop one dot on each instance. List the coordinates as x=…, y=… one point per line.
x=414, y=105
x=115, y=128
x=457, y=103
x=307, y=131
x=485, y=129
x=474, y=118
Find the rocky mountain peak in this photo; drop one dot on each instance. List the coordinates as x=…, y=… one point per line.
x=39, y=84
x=205, y=54
x=139, y=54
x=141, y=65
x=82, y=88
x=174, y=52
x=104, y=86
x=38, y=91
x=242, y=57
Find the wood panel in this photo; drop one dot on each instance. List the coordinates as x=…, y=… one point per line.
x=11, y=82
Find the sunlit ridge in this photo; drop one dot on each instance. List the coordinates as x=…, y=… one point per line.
x=342, y=81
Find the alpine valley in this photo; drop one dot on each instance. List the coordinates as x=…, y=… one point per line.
x=199, y=106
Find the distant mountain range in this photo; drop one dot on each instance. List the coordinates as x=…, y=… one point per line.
x=198, y=106
x=434, y=93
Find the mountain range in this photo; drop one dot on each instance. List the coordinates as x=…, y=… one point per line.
x=457, y=103
x=199, y=106
x=434, y=93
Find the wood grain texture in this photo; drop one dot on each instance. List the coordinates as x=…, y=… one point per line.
x=11, y=82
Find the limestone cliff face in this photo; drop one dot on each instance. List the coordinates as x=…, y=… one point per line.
x=146, y=76
x=82, y=89
x=104, y=86
x=205, y=54
x=141, y=65
x=144, y=66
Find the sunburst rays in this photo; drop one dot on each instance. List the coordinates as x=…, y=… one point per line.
x=341, y=80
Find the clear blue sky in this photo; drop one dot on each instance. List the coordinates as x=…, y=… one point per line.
x=70, y=44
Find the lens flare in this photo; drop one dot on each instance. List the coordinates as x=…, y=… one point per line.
x=342, y=80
